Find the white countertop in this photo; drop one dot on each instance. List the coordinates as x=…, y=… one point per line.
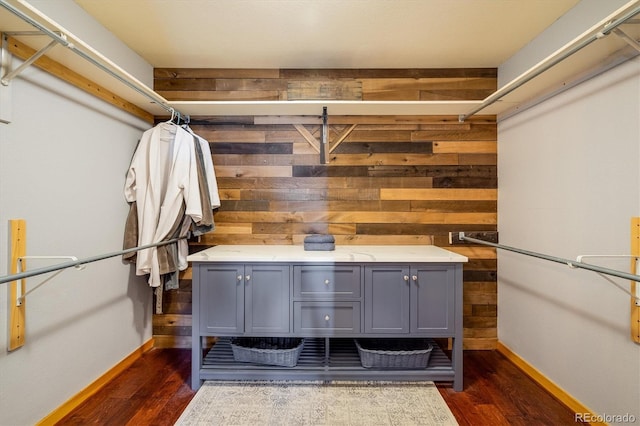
x=346, y=253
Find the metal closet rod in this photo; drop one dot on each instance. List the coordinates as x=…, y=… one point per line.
x=71, y=264
x=568, y=262
x=547, y=63
x=61, y=38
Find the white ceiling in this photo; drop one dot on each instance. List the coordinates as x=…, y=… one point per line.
x=326, y=33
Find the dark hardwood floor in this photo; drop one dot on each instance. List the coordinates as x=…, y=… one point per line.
x=155, y=390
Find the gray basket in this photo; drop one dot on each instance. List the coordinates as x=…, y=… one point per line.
x=392, y=354
x=282, y=352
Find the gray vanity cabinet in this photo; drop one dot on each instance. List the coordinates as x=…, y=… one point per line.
x=329, y=299
x=235, y=299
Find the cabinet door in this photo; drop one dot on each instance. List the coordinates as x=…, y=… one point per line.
x=221, y=299
x=386, y=295
x=267, y=303
x=432, y=300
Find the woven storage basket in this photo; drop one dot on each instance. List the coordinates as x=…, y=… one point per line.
x=395, y=353
x=282, y=352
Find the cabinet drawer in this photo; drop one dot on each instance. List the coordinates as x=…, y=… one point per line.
x=326, y=318
x=330, y=281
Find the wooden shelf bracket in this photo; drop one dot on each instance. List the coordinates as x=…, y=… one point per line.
x=325, y=145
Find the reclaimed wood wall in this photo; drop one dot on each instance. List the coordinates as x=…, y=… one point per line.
x=389, y=180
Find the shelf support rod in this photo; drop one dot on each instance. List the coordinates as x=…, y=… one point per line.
x=102, y=62
x=80, y=262
x=550, y=61
x=568, y=262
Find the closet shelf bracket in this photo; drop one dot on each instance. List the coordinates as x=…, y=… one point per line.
x=52, y=29
x=609, y=25
x=6, y=79
x=21, y=297
x=635, y=292
x=630, y=40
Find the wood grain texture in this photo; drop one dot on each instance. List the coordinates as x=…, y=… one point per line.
x=635, y=308
x=17, y=289
x=97, y=388
x=330, y=84
x=391, y=180
x=155, y=390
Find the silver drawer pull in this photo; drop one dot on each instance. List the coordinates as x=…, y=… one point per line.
x=327, y=317
x=239, y=277
x=414, y=277
x=248, y=277
x=406, y=277
x=326, y=282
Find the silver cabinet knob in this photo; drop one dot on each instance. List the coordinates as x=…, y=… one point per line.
x=327, y=317
x=326, y=282
x=239, y=277
x=406, y=277
x=414, y=277
x=248, y=277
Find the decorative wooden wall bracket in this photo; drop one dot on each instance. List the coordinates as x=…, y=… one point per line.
x=18, y=230
x=635, y=287
x=331, y=144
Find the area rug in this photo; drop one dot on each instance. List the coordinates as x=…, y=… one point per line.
x=317, y=403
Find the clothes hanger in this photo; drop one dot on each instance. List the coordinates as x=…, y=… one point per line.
x=173, y=116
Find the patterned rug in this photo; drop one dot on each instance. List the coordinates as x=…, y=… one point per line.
x=317, y=403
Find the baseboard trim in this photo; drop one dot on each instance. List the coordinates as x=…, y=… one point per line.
x=60, y=412
x=555, y=390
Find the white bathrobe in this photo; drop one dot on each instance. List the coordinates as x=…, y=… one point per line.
x=162, y=176
x=214, y=196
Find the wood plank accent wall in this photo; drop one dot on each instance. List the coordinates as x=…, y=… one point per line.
x=189, y=84
x=392, y=180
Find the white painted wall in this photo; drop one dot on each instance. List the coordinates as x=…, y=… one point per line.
x=568, y=185
x=62, y=164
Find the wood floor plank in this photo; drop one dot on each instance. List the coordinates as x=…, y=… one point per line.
x=155, y=390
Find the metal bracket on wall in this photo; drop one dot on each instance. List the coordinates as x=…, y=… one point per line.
x=21, y=297
x=578, y=264
x=630, y=40
x=324, y=146
x=5, y=92
x=17, y=288
x=6, y=78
